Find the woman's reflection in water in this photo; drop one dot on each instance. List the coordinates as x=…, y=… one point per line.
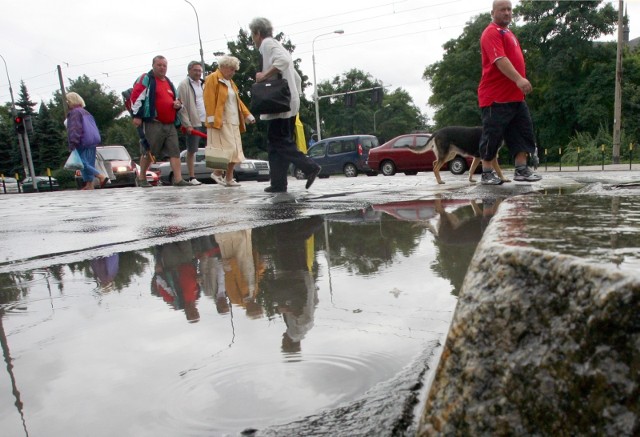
x=291, y=281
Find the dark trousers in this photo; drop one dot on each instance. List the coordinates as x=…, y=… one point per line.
x=508, y=121
x=283, y=151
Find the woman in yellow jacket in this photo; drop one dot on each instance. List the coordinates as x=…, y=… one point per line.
x=226, y=116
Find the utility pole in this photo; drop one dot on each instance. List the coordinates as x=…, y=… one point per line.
x=617, y=109
x=14, y=112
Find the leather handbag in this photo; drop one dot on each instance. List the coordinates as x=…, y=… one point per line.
x=216, y=157
x=270, y=97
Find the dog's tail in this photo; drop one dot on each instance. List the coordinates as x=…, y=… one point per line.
x=424, y=149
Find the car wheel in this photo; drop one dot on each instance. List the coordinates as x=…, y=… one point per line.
x=388, y=168
x=458, y=165
x=411, y=173
x=350, y=171
x=299, y=174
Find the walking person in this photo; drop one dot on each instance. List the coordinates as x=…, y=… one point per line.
x=155, y=105
x=83, y=136
x=501, y=95
x=226, y=116
x=282, y=148
x=193, y=113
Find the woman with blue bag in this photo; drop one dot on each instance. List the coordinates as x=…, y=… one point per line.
x=83, y=136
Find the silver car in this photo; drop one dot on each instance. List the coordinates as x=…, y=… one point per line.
x=247, y=170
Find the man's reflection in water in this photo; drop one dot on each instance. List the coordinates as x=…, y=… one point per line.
x=105, y=270
x=458, y=232
x=239, y=262
x=212, y=275
x=175, y=278
x=289, y=282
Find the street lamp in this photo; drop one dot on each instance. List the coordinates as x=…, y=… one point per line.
x=315, y=86
x=374, y=116
x=199, y=39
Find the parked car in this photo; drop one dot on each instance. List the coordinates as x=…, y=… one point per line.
x=342, y=155
x=123, y=166
x=401, y=154
x=45, y=183
x=248, y=170
x=8, y=185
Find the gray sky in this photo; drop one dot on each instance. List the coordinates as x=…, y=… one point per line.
x=113, y=41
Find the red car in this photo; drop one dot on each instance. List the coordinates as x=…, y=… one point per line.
x=402, y=154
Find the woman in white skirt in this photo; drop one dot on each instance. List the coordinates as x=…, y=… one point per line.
x=226, y=117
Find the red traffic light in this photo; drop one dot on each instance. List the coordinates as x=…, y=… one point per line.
x=18, y=122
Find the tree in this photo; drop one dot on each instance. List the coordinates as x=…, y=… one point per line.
x=122, y=132
x=401, y=117
x=105, y=106
x=454, y=80
x=24, y=103
x=48, y=146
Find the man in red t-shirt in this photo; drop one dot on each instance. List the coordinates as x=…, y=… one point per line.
x=155, y=105
x=501, y=92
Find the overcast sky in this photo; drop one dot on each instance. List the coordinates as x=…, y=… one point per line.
x=114, y=41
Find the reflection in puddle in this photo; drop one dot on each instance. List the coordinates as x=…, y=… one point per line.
x=235, y=330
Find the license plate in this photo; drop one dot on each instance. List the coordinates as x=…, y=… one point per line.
x=263, y=171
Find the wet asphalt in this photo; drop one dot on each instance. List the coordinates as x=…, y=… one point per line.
x=40, y=229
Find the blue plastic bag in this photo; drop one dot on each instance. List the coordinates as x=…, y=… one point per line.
x=74, y=162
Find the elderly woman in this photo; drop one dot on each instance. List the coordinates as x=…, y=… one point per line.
x=83, y=136
x=226, y=116
x=281, y=144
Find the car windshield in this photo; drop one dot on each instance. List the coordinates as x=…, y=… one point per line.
x=114, y=154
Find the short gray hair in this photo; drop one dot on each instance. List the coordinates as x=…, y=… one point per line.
x=192, y=63
x=229, y=61
x=262, y=27
x=74, y=99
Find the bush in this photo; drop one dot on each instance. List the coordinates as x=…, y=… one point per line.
x=66, y=178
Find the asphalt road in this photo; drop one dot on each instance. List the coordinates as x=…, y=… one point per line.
x=40, y=229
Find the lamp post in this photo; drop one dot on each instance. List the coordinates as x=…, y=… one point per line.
x=375, y=130
x=315, y=86
x=199, y=38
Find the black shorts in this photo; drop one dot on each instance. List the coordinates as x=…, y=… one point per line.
x=510, y=122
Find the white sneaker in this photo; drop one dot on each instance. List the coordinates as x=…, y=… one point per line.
x=232, y=183
x=194, y=181
x=218, y=179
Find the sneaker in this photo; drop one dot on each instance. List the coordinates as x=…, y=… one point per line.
x=143, y=183
x=271, y=189
x=218, y=179
x=525, y=174
x=182, y=183
x=232, y=183
x=490, y=178
x=312, y=177
x=194, y=181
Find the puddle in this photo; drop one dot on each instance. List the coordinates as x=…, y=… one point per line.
x=220, y=333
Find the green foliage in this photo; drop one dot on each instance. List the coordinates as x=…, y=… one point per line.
x=590, y=146
x=123, y=132
x=66, y=179
x=454, y=80
x=48, y=145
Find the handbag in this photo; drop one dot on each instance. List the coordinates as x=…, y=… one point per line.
x=74, y=162
x=90, y=132
x=270, y=97
x=216, y=157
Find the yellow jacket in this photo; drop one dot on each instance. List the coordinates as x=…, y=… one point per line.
x=215, y=96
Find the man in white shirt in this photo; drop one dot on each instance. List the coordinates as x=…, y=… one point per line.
x=192, y=115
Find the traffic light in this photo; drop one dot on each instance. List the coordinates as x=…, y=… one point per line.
x=349, y=100
x=376, y=96
x=18, y=122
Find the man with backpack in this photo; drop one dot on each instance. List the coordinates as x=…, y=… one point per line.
x=154, y=108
